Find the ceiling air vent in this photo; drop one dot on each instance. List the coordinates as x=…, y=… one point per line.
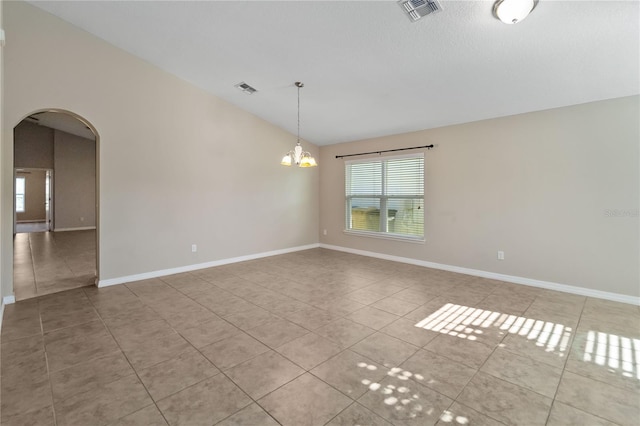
x=416, y=9
x=245, y=88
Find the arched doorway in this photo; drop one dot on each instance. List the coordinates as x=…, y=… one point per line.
x=55, y=224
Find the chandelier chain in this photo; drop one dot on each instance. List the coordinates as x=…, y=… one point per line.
x=298, y=112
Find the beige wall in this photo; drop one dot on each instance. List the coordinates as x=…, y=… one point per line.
x=34, y=146
x=34, y=207
x=541, y=186
x=74, y=181
x=177, y=166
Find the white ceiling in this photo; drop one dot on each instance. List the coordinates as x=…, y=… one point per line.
x=369, y=71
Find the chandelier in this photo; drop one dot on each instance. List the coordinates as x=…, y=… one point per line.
x=297, y=156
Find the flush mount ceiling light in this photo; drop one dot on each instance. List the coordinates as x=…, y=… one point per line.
x=297, y=156
x=513, y=11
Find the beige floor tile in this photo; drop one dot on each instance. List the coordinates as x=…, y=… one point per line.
x=468, y=352
x=372, y=317
x=512, y=304
x=427, y=310
x=208, y=332
x=21, y=328
x=21, y=397
x=356, y=414
x=523, y=371
x=148, y=416
x=250, y=415
x=277, y=333
x=67, y=352
x=251, y=318
x=607, y=358
x=146, y=353
x=264, y=373
x=366, y=297
x=131, y=333
x=437, y=372
x=187, y=316
x=340, y=306
x=41, y=417
x=385, y=287
x=103, y=405
x=81, y=330
x=117, y=314
x=23, y=359
x=13, y=350
x=205, y=403
x=53, y=319
x=311, y=318
x=344, y=332
x=404, y=402
x=599, y=399
x=309, y=350
x=227, y=306
x=350, y=373
x=566, y=415
x=234, y=350
x=459, y=414
x=505, y=402
x=406, y=330
x=553, y=351
x=169, y=377
x=416, y=295
x=395, y=306
x=305, y=401
x=89, y=375
x=385, y=350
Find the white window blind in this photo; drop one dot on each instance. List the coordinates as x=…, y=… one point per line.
x=386, y=196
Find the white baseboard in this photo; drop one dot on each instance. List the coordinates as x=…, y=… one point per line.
x=189, y=268
x=616, y=297
x=83, y=228
x=1, y=314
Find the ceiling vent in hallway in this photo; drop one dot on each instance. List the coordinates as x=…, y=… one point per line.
x=245, y=88
x=417, y=9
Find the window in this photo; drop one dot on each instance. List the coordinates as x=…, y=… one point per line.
x=20, y=186
x=385, y=197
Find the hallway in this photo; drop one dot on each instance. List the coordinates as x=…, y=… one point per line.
x=48, y=262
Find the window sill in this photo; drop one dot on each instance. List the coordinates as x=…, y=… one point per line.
x=382, y=236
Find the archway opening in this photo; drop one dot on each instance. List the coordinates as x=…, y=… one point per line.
x=55, y=225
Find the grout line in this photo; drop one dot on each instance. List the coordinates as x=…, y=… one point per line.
x=46, y=357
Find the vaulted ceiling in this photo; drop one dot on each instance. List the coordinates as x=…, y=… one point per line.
x=368, y=71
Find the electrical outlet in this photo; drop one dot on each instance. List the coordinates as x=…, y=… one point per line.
x=81, y=219
x=324, y=232
x=500, y=255
x=194, y=248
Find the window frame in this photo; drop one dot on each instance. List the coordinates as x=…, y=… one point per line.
x=24, y=194
x=383, y=199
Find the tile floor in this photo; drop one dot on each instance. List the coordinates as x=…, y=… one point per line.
x=49, y=262
x=352, y=340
